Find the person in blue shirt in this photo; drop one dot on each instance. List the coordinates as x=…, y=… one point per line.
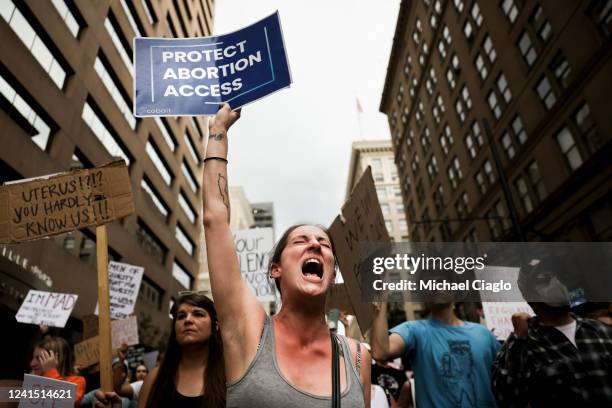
x=452, y=359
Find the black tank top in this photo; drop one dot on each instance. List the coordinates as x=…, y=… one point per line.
x=179, y=400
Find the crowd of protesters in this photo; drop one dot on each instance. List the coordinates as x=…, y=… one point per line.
x=231, y=353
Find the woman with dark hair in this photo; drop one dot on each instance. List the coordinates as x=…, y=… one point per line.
x=53, y=359
x=191, y=373
x=286, y=360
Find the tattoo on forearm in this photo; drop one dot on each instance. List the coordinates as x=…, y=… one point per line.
x=223, y=191
x=216, y=136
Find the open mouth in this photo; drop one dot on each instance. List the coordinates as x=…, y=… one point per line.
x=312, y=268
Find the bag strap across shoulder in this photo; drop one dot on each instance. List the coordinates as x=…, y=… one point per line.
x=335, y=372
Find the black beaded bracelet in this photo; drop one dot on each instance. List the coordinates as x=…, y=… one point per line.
x=215, y=158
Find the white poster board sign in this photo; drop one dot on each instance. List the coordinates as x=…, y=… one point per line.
x=124, y=284
x=124, y=331
x=253, y=247
x=498, y=316
x=47, y=393
x=48, y=308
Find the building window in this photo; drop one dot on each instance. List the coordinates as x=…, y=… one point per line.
x=426, y=140
x=120, y=43
x=180, y=274
x=519, y=130
x=164, y=129
x=460, y=110
x=158, y=162
x=508, y=145
x=523, y=192
x=432, y=167
x=459, y=5
x=450, y=77
x=410, y=137
x=545, y=92
x=487, y=46
x=540, y=24
x=561, y=70
x=600, y=12
x=527, y=49
x=70, y=17
x=446, y=140
x=182, y=238
x=189, y=177
x=415, y=163
x=480, y=182
x=379, y=177
x=150, y=243
x=22, y=113
x=566, y=142
x=481, y=67
x=494, y=104
x=381, y=192
x=438, y=109
x=585, y=126
x=191, y=148
x=468, y=31
x=102, y=68
x=187, y=209
x=488, y=169
x=98, y=125
x=399, y=210
x=445, y=42
x=475, y=13
x=462, y=206
x=385, y=209
x=467, y=100
x=503, y=88
x=418, y=31
x=157, y=200
x=420, y=114
x=510, y=10
x=150, y=12
x=454, y=173
x=536, y=180
x=130, y=13
x=497, y=220
x=400, y=94
x=41, y=51
x=407, y=65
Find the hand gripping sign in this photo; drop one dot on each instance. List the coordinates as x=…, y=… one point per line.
x=192, y=76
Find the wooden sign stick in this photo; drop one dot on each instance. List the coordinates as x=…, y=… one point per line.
x=106, y=374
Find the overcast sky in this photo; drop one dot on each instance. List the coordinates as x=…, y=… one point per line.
x=293, y=147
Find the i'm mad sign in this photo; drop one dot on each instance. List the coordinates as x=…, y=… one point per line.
x=192, y=76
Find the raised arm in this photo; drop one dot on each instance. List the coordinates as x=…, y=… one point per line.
x=385, y=347
x=241, y=316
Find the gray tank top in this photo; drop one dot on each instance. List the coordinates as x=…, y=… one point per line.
x=263, y=385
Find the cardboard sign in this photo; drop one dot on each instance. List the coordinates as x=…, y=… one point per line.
x=498, y=316
x=57, y=393
x=191, y=76
x=87, y=352
x=253, y=247
x=37, y=208
x=361, y=221
x=124, y=331
x=49, y=308
x=124, y=283
x=337, y=298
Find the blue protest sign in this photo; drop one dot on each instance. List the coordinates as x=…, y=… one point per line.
x=192, y=76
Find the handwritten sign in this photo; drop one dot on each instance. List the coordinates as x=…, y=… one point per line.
x=361, y=221
x=37, y=208
x=49, y=308
x=124, y=283
x=87, y=352
x=253, y=247
x=498, y=316
x=57, y=393
x=191, y=76
x=124, y=331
